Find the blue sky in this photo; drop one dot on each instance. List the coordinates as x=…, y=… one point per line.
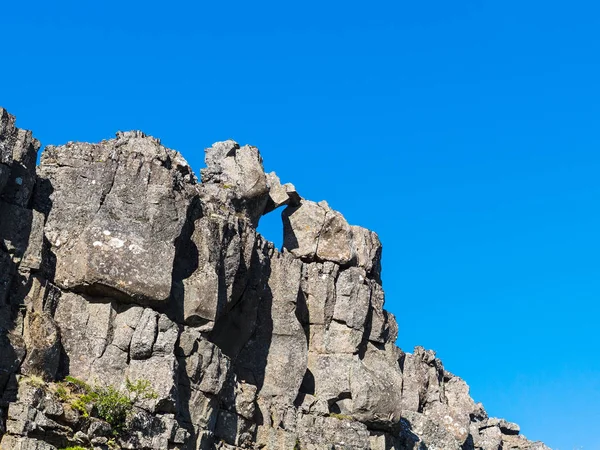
x=464, y=133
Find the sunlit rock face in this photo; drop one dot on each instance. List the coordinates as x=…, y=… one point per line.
x=118, y=268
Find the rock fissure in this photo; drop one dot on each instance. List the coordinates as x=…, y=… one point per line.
x=127, y=271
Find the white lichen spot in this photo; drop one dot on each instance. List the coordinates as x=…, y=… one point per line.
x=135, y=249
x=116, y=243
x=19, y=181
x=93, y=181
x=106, y=233
x=58, y=243
x=97, y=244
x=448, y=420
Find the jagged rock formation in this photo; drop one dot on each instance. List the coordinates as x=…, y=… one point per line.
x=117, y=265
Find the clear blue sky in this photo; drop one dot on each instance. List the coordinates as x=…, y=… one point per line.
x=465, y=133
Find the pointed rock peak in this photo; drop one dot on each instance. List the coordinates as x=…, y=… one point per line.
x=18, y=153
x=237, y=168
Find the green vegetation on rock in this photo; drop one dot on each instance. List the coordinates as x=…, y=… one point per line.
x=104, y=402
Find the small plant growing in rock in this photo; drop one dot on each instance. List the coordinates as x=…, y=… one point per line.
x=104, y=402
x=112, y=406
x=35, y=381
x=61, y=393
x=77, y=382
x=340, y=416
x=140, y=389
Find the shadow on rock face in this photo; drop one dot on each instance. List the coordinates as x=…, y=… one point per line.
x=245, y=333
x=408, y=439
x=185, y=262
x=29, y=338
x=469, y=444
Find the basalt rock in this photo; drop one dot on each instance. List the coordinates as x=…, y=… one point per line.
x=121, y=273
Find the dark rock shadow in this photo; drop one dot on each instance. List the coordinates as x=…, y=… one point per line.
x=243, y=329
x=185, y=262
x=16, y=227
x=290, y=241
x=468, y=444
x=308, y=385
x=245, y=333
x=407, y=438
x=251, y=360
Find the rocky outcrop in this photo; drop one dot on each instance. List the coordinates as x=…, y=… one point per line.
x=140, y=309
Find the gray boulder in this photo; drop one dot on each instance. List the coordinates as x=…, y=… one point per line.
x=117, y=209
x=238, y=172
x=315, y=232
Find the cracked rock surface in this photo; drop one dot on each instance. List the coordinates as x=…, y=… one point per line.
x=117, y=267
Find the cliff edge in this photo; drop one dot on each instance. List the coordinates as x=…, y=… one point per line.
x=140, y=309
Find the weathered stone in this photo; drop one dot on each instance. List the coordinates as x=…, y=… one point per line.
x=314, y=230
x=506, y=427
x=318, y=285
x=18, y=153
x=379, y=326
x=10, y=442
x=206, y=368
x=379, y=440
x=168, y=332
x=280, y=338
x=4, y=175
x=292, y=193
x=329, y=432
x=160, y=371
x=337, y=338
x=124, y=326
x=335, y=238
x=21, y=233
x=418, y=370
x=460, y=406
x=331, y=374
x=234, y=429
x=302, y=227
x=376, y=387
x=431, y=434
x=42, y=338
x=278, y=194
x=200, y=409
x=353, y=297
x=82, y=341
x=239, y=171
x=490, y=438
x=34, y=415
x=144, y=335
x=117, y=208
x=367, y=248
x=224, y=251
x=109, y=368
x=122, y=269
x=239, y=398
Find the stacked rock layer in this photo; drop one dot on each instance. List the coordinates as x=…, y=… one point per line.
x=117, y=266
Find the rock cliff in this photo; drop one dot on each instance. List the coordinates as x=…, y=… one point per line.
x=140, y=309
